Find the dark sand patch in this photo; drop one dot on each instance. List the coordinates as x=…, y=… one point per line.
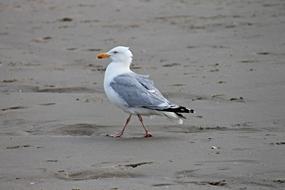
x=13, y=108
x=178, y=84
x=94, y=49
x=134, y=165
x=163, y=184
x=171, y=65
x=201, y=129
x=44, y=39
x=278, y=143
x=47, y=89
x=71, y=49
x=66, y=19
x=75, y=89
x=80, y=129
x=9, y=80
x=52, y=161
x=282, y=181
x=213, y=183
x=249, y=61
x=47, y=104
x=18, y=146
x=101, y=173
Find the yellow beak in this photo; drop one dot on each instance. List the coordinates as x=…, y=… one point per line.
x=103, y=55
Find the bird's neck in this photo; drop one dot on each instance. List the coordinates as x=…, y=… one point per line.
x=128, y=61
x=116, y=68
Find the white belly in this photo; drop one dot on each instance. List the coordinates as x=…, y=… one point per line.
x=114, y=97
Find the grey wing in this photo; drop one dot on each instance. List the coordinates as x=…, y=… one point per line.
x=138, y=91
x=149, y=85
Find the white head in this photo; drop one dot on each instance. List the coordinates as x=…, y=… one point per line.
x=118, y=54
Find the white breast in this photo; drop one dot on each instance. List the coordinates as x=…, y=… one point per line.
x=111, y=72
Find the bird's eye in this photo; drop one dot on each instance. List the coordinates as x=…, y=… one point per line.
x=115, y=52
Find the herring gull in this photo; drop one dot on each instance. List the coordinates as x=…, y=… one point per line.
x=135, y=93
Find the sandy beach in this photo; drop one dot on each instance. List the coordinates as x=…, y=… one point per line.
x=224, y=59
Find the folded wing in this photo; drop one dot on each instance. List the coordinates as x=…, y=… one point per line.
x=138, y=91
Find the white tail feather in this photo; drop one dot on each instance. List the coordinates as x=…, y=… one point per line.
x=173, y=116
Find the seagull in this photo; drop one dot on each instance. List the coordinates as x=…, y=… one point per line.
x=135, y=93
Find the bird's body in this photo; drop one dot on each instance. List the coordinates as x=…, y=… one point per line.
x=135, y=93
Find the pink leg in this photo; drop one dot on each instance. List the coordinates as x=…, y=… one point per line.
x=122, y=131
x=147, y=134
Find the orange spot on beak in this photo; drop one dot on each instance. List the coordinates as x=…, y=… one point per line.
x=103, y=55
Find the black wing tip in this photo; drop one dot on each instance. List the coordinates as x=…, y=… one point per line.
x=183, y=109
x=180, y=109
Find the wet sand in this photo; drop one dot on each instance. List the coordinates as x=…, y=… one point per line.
x=225, y=59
